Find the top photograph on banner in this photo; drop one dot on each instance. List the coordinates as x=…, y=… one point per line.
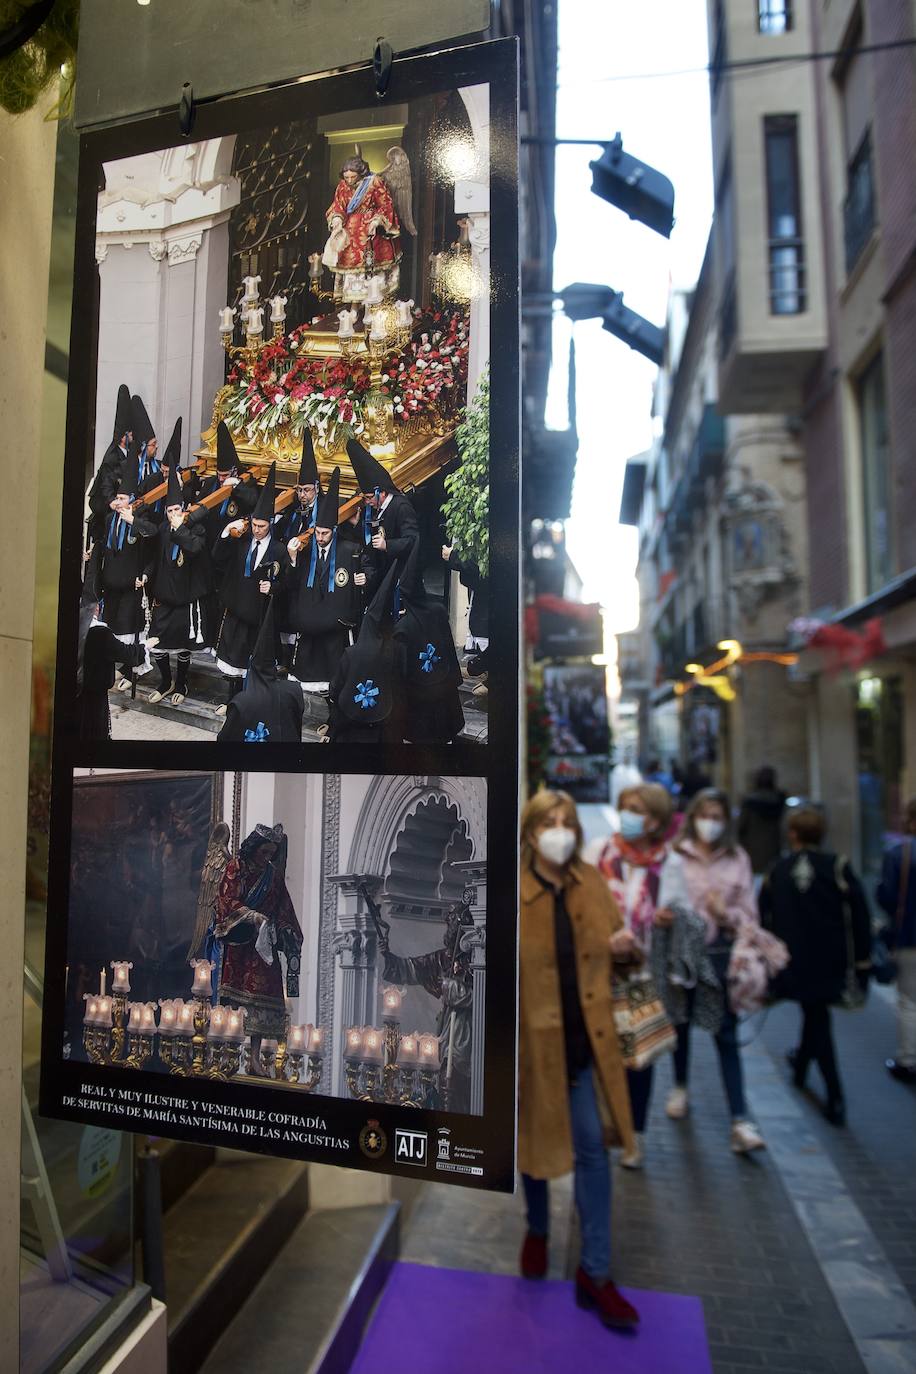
x=286, y=514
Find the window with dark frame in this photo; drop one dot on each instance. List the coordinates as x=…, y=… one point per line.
x=774, y=16
x=853, y=84
x=787, y=277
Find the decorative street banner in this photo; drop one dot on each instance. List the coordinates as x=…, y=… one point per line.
x=291, y=520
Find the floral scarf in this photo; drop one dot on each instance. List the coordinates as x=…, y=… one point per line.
x=636, y=900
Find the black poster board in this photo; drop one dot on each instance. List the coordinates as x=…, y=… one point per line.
x=388, y=905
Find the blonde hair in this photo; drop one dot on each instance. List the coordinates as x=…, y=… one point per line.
x=535, y=812
x=655, y=798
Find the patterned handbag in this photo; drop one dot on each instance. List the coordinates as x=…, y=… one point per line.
x=643, y=1028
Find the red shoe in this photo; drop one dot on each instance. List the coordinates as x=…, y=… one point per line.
x=533, y=1259
x=612, y=1307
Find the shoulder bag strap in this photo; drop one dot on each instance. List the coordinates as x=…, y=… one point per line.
x=906, y=859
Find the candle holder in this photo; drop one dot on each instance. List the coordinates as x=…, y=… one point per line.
x=194, y=1039
x=107, y=1038
x=387, y=1066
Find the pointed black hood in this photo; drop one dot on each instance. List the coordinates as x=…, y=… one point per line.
x=227, y=460
x=174, y=496
x=142, y=425
x=329, y=505
x=128, y=481
x=172, y=456
x=431, y=661
x=308, y=468
x=369, y=471
x=369, y=687
x=123, y=415
x=267, y=497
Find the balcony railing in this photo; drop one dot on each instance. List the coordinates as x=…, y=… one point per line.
x=859, y=205
x=788, y=285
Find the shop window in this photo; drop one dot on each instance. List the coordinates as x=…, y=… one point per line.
x=876, y=475
x=774, y=16
x=788, y=293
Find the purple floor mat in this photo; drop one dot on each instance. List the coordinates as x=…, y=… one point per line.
x=454, y=1322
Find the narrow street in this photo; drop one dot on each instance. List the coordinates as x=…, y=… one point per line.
x=803, y=1256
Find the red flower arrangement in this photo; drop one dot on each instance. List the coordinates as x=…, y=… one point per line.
x=283, y=385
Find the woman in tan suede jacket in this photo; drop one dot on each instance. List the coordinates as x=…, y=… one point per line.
x=573, y=1100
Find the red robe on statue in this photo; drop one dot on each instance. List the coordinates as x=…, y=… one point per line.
x=375, y=208
x=245, y=979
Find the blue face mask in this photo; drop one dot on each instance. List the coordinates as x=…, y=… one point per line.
x=632, y=825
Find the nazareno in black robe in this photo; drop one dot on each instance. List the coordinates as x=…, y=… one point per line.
x=268, y=709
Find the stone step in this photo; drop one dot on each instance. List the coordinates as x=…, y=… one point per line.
x=308, y=1313
x=218, y=1241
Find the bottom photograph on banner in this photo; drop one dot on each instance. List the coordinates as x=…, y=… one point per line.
x=285, y=939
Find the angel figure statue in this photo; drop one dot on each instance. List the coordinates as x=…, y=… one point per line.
x=365, y=221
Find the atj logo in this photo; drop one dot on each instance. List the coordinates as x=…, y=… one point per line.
x=410, y=1147
x=445, y=1144
x=372, y=1140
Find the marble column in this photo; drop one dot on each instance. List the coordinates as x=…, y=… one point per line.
x=474, y=941
x=356, y=948
x=26, y=187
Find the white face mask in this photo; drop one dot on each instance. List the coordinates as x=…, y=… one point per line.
x=709, y=831
x=557, y=844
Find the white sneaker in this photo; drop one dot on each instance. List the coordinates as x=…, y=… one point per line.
x=677, y=1105
x=633, y=1159
x=746, y=1137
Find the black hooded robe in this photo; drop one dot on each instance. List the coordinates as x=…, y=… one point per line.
x=268, y=709
x=121, y=568
x=322, y=616
x=365, y=694
x=243, y=603
x=173, y=586
x=101, y=651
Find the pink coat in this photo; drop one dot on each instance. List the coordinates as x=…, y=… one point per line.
x=690, y=876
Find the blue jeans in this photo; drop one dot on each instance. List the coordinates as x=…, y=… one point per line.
x=726, y=1045
x=592, y=1182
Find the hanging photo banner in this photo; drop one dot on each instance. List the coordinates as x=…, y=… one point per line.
x=575, y=696
x=290, y=520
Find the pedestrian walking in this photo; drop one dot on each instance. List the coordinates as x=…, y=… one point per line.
x=708, y=869
x=760, y=820
x=897, y=897
x=631, y=863
x=815, y=903
x=570, y=1064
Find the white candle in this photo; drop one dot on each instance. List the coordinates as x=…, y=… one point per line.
x=168, y=1016
x=103, y=1013
x=373, y=1045
x=92, y=1009
x=135, y=1020
x=121, y=980
x=277, y=312
x=315, y=1040
x=251, y=289
x=429, y=1051
x=226, y=319
x=407, y=1050
x=201, y=986
x=236, y=1027
x=186, y=1019
x=405, y=313
x=297, y=1040
x=391, y=1002
x=374, y=293
x=101, y=982
x=353, y=1043
x=219, y=1023
x=314, y=266
x=147, y=1018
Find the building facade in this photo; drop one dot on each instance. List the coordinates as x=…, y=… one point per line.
x=720, y=506
x=815, y=299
